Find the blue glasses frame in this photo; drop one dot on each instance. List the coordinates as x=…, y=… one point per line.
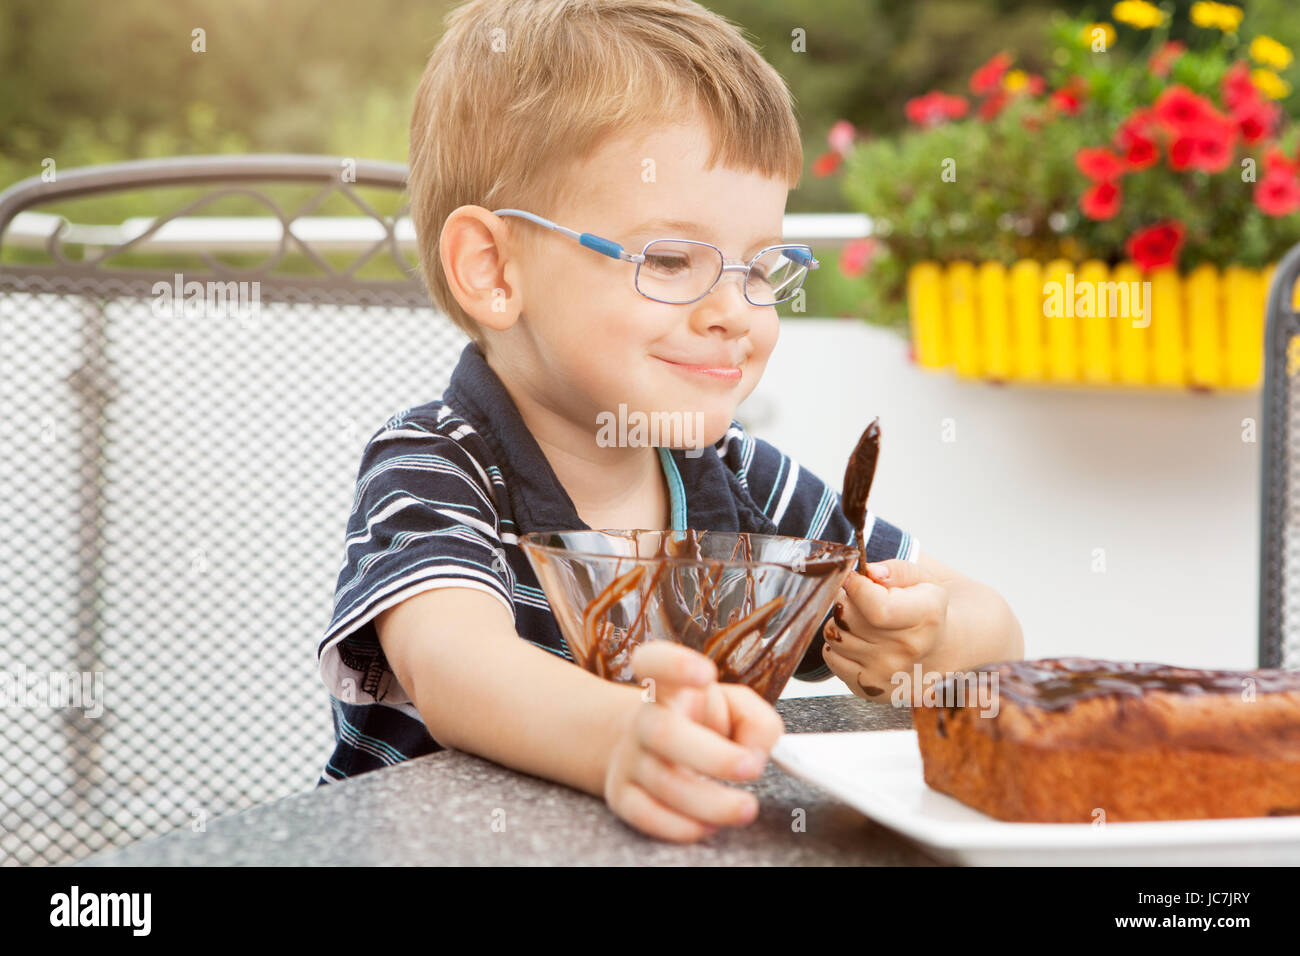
x=798, y=253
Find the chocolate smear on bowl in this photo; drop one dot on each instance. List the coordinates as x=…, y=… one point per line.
x=686, y=600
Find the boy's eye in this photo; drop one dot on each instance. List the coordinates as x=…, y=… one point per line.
x=667, y=264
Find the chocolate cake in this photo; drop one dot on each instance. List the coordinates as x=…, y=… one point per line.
x=1071, y=739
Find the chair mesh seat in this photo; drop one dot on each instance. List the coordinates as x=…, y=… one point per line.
x=174, y=493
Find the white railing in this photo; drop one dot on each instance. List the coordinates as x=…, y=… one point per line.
x=327, y=233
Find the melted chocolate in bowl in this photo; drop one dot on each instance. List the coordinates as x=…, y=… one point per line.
x=751, y=603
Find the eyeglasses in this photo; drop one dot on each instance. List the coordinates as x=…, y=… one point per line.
x=682, y=271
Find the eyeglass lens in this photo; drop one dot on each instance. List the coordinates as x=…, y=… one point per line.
x=680, y=272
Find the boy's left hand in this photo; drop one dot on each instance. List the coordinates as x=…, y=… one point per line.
x=884, y=624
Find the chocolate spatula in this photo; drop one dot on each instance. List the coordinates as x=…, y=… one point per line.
x=857, y=484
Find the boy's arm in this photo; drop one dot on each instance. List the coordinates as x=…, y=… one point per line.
x=660, y=766
x=481, y=689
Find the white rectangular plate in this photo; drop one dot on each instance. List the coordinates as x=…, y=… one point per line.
x=879, y=773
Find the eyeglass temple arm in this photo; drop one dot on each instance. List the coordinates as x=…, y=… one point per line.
x=614, y=250
x=604, y=246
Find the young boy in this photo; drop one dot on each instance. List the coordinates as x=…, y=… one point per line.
x=633, y=121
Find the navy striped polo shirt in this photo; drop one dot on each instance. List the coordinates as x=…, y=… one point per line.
x=443, y=492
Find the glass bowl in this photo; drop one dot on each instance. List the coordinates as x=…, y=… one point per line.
x=751, y=602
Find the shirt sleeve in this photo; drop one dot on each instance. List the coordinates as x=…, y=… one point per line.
x=803, y=506
x=423, y=517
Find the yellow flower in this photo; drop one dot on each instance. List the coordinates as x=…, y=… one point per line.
x=1138, y=13
x=1089, y=34
x=1221, y=16
x=1268, y=51
x=1270, y=84
x=1015, y=80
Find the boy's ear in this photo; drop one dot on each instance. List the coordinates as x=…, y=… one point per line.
x=482, y=275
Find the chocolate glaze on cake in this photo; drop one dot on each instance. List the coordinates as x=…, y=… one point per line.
x=1059, y=683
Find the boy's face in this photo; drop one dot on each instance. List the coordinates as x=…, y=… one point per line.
x=593, y=342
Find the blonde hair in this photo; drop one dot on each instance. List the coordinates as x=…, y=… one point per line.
x=501, y=129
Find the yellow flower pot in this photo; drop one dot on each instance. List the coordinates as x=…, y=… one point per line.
x=1064, y=324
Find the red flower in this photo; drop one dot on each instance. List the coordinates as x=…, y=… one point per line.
x=1256, y=120
x=827, y=163
x=1212, y=144
x=1156, y=245
x=1135, y=138
x=1238, y=90
x=1181, y=153
x=856, y=256
x=989, y=76
x=1207, y=151
x=1101, y=200
x=919, y=110
x=1203, y=138
x=1180, y=109
x=1212, y=154
x=1037, y=86
x=1276, y=161
x=1099, y=164
x=1278, y=194
x=1162, y=61
x=1069, y=98
x=1141, y=153
x=934, y=108
x=992, y=106
x=1141, y=122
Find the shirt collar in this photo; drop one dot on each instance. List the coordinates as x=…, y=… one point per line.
x=715, y=500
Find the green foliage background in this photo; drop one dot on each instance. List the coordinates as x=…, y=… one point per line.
x=87, y=82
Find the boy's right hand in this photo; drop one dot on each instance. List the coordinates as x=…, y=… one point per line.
x=693, y=728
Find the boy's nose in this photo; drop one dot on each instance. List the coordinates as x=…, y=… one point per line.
x=725, y=307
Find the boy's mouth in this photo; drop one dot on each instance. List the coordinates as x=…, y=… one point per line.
x=720, y=372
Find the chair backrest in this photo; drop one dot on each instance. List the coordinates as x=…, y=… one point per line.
x=1279, y=560
x=175, y=480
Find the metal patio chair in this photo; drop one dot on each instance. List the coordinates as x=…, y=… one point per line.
x=174, y=491
x=1279, y=558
